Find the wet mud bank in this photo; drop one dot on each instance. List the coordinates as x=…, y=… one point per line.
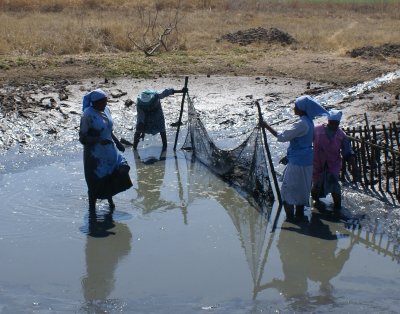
x=38, y=117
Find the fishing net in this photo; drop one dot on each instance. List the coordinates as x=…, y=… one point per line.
x=245, y=167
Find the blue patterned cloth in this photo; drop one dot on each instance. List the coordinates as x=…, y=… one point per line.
x=101, y=158
x=100, y=124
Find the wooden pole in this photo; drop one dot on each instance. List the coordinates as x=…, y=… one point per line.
x=391, y=134
x=378, y=158
x=386, y=158
x=271, y=165
x=396, y=133
x=363, y=160
x=367, y=125
x=180, y=113
x=358, y=154
x=368, y=159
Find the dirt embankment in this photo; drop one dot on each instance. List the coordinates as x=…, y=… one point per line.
x=268, y=52
x=280, y=58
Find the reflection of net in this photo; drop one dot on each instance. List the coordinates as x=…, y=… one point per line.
x=252, y=231
x=250, y=225
x=244, y=166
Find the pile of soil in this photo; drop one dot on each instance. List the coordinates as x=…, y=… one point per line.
x=252, y=35
x=385, y=50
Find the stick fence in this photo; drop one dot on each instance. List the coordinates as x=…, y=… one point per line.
x=377, y=158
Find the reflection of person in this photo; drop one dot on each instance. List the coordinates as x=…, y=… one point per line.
x=308, y=251
x=297, y=176
x=150, y=116
x=102, y=256
x=149, y=180
x=330, y=145
x=106, y=170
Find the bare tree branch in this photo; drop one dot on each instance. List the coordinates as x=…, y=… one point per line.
x=154, y=35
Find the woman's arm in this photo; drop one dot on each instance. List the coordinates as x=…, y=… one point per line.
x=349, y=157
x=117, y=143
x=269, y=128
x=165, y=93
x=298, y=129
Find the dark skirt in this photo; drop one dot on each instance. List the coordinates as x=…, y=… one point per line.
x=154, y=121
x=111, y=185
x=108, y=186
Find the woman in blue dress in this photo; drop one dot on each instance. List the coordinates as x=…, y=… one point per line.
x=296, y=184
x=106, y=170
x=150, y=116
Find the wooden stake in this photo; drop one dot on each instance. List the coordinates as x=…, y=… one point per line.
x=181, y=112
x=271, y=165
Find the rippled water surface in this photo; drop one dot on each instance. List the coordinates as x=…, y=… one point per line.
x=180, y=241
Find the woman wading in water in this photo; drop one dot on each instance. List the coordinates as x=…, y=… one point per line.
x=150, y=115
x=297, y=177
x=106, y=170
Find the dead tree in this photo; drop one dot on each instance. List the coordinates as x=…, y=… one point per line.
x=154, y=35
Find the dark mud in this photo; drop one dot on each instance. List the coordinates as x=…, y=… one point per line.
x=259, y=35
x=39, y=116
x=385, y=50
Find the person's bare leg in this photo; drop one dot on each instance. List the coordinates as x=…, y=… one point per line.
x=111, y=203
x=92, y=202
x=316, y=194
x=136, y=139
x=337, y=202
x=299, y=212
x=289, y=209
x=164, y=140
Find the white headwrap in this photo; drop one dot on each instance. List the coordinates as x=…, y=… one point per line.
x=335, y=115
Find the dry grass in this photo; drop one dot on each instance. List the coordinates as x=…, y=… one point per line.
x=37, y=27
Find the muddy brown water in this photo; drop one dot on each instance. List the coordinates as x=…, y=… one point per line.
x=181, y=240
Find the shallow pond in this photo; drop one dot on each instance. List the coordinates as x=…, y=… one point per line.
x=181, y=240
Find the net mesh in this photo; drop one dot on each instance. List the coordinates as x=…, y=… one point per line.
x=245, y=167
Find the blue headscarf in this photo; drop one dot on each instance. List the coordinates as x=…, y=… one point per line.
x=310, y=106
x=95, y=95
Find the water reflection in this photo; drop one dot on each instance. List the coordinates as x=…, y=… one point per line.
x=150, y=177
x=312, y=252
x=251, y=225
x=309, y=252
x=106, y=244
